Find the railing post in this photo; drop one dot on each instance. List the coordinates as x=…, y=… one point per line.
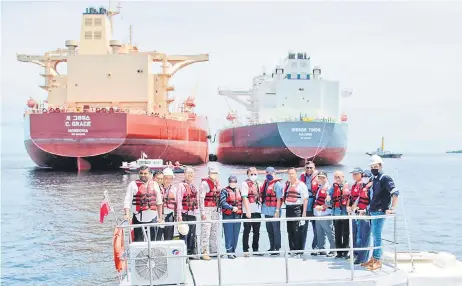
x=394, y=241
x=286, y=255
x=149, y=254
x=219, y=230
x=350, y=223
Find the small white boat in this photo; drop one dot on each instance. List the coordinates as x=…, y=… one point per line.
x=153, y=164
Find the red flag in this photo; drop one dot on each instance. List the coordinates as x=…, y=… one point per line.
x=103, y=211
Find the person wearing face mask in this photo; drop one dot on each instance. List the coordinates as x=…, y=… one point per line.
x=251, y=200
x=323, y=207
x=231, y=206
x=169, y=203
x=310, y=178
x=383, y=194
x=208, y=207
x=143, y=200
x=296, y=200
x=271, y=196
x=186, y=203
x=340, y=192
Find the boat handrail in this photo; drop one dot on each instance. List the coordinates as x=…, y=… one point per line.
x=285, y=249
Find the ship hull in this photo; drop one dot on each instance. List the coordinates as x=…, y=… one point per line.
x=283, y=143
x=104, y=141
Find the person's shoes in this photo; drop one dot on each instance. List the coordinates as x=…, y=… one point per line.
x=330, y=254
x=368, y=263
x=314, y=253
x=257, y=254
x=375, y=266
x=346, y=256
x=246, y=254
x=339, y=255
x=322, y=253
x=275, y=254
x=357, y=262
x=234, y=256
x=270, y=250
x=231, y=257
x=205, y=257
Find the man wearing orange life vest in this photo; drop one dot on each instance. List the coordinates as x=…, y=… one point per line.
x=271, y=195
x=323, y=207
x=340, y=193
x=296, y=199
x=231, y=205
x=143, y=200
x=310, y=178
x=250, y=192
x=169, y=197
x=209, y=195
x=187, y=199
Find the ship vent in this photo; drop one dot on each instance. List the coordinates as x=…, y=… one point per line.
x=88, y=22
x=97, y=35
x=98, y=22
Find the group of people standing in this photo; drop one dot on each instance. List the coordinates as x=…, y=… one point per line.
x=372, y=193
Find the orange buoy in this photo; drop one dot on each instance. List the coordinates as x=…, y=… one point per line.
x=119, y=249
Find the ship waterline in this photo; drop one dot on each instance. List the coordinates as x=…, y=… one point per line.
x=60, y=140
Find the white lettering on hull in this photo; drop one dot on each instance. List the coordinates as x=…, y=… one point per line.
x=305, y=133
x=77, y=121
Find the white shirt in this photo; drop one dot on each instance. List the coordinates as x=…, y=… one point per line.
x=302, y=190
x=148, y=215
x=254, y=207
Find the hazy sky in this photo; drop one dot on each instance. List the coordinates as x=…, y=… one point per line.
x=402, y=60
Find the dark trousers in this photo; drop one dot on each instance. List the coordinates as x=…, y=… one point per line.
x=231, y=232
x=274, y=233
x=341, y=235
x=314, y=243
x=138, y=232
x=294, y=229
x=255, y=226
x=167, y=231
x=190, y=239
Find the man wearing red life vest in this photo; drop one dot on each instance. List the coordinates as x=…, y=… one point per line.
x=340, y=193
x=231, y=205
x=209, y=195
x=323, y=207
x=359, y=202
x=310, y=178
x=271, y=195
x=169, y=196
x=296, y=199
x=143, y=200
x=250, y=192
x=187, y=199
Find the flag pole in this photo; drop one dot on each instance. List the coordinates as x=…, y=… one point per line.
x=106, y=197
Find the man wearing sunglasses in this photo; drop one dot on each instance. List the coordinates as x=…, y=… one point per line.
x=383, y=193
x=252, y=207
x=310, y=178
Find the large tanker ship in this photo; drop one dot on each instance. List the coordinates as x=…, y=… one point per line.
x=110, y=107
x=295, y=116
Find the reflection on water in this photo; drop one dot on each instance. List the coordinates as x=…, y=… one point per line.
x=51, y=233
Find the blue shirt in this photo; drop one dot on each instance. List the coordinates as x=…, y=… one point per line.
x=223, y=203
x=270, y=211
x=383, y=188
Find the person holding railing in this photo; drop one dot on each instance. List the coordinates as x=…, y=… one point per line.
x=143, y=199
x=296, y=200
x=359, y=201
x=271, y=195
x=340, y=192
x=231, y=206
x=252, y=204
x=323, y=208
x=209, y=193
x=187, y=199
x=169, y=203
x=310, y=178
x=383, y=193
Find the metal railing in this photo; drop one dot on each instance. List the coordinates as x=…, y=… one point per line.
x=285, y=251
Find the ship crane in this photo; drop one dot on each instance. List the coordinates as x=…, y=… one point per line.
x=244, y=97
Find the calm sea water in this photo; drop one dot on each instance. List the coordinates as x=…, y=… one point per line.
x=51, y=233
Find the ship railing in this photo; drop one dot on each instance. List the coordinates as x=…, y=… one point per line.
x=389, y=243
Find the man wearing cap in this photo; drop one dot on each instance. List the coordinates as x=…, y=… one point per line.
x=250, y=192
x=310, y=178
x=208, y=208
x=356, y=189
x=383, y=193
x=340, y=193
x=231, y=205
x=169, y=202
x=271, y=195
x=323, y=207
x=187, y=199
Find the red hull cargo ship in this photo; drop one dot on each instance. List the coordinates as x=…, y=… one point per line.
x=110, y=107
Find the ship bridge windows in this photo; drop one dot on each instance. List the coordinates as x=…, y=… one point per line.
x=98, y=22
x=97, y=35
x=88, y=22
x=88, y=35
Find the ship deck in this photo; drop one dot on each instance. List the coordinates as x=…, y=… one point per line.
x=312, y=270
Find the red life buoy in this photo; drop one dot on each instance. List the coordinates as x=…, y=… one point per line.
x=103, y=110
x=57, y=110
x=52, y=110
x=44, y=110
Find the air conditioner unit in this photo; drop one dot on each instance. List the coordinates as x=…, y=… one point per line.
x=166, y=267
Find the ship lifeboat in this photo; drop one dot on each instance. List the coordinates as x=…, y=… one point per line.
x=231, y=116
x=190, y=102
x=344, y=118
x=31, y=102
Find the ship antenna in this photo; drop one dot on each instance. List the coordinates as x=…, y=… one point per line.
x=110, y=14
x=130, y=34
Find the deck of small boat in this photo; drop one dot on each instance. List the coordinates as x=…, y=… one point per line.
x=312, y=270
